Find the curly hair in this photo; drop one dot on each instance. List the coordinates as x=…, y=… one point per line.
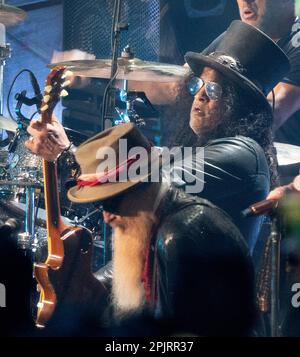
x=246, y=117
x=241, y=116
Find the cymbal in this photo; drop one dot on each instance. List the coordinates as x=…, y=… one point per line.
x=8, y=124
x=11, y=15
x=128, y=69
x=21, y=208
x=287, y=154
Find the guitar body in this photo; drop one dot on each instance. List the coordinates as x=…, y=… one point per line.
x=72, y=287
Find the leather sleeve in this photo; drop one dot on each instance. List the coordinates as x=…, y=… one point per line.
x=105, y=275
x=234, y=163
x=234, y=174
x=227, y=166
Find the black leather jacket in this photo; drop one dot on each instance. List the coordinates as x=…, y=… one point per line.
x=201, y=272
x=236, y=175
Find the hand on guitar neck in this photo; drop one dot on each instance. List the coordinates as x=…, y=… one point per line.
x=47, y=140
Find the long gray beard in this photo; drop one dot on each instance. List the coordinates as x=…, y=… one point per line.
x=129, y=251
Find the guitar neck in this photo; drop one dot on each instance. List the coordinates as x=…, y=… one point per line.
x=52, y=201
x=52, y=93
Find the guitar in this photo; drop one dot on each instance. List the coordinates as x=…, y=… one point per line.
x=65, y=279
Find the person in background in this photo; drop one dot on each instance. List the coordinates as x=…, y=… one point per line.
x=278, y=20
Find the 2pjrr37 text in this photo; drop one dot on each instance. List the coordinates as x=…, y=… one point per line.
x=152, y=346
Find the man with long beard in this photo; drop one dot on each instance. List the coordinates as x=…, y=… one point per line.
x=179, y=264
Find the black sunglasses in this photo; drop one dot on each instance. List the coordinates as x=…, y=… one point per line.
x=112, y=204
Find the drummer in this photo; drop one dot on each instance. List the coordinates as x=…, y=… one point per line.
x=279, y=21
x=230, y=116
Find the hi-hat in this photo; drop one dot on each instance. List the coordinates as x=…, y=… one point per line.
x=287, y=154
x=128, y=69
x=8, y=124
x=11, y=15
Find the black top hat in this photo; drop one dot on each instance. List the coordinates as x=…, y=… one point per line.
x=248, y=57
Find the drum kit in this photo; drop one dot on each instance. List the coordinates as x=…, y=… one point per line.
x=21, y=193
x=21, y=178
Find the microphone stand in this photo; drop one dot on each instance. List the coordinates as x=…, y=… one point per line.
x=269, y=275
x=270, y=271
x=108, y=105
x=110, y=92
x=275, y=241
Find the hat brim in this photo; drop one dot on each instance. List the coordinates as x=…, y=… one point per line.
x=102, y=192
x=89, y=194
x=197, y=61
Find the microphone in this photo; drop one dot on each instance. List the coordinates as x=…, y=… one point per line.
x=271, y=202
x=259, y=208
x=23, y=99
x=37, y=90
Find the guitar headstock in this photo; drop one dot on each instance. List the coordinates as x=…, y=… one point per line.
x=56, y=82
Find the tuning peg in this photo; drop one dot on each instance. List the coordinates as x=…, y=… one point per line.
x=46, y=98
x=48, y=89
x=64, y=93
x=44, y=108
x=66, y=84
x=67, y=74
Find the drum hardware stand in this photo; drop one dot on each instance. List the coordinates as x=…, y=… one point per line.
x=129, y=114
x=80, y=221
x=129, y=97
x=27, y=240
x=13, y=143
x=5, y=53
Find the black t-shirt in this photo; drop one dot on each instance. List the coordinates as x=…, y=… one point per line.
x=289, y=132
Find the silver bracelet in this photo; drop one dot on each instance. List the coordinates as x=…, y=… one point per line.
x=70, y=150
